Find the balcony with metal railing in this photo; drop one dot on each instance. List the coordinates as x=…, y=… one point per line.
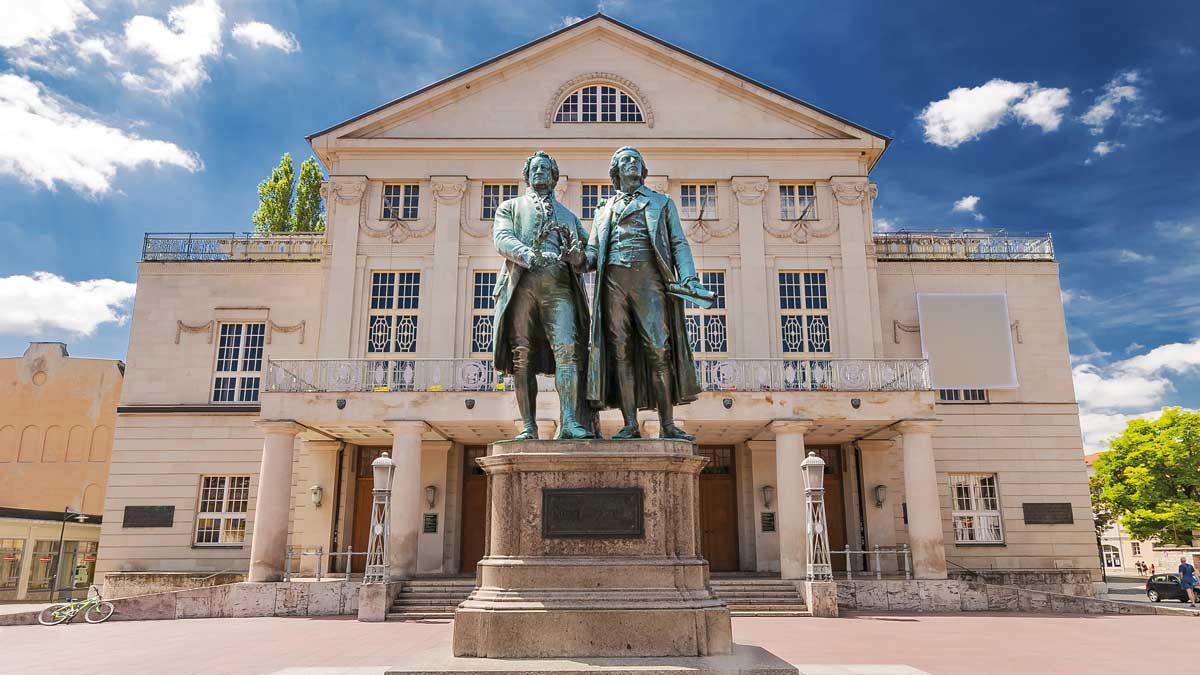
x=232, y=246
x=968, y=245
x=433, y=375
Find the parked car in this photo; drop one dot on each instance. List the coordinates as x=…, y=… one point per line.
x=1165, y=587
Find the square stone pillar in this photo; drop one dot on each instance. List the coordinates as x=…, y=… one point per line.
x=880, y=520
x=754, y=342
x=789, y=494
x=921, y=493
x=405, y=526
x=852, y=196
x=442, y=321
x=268, y=542
x=343, y=200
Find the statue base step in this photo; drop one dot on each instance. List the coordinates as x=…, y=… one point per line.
x=743, y=660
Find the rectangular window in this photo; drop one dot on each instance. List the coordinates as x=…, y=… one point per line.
x=480, y=375
x=45, y=560
x=392, y=327
x=962, y=396
x=12, y=551
x=494, y=194
x=400, y=201
x=698, y=201
x=976, y=509
x=239, y=362
x=797, y=202
x=804, y=329
x=221, y=515
x=593, y=194
x=1135, y=547
x=708, y=328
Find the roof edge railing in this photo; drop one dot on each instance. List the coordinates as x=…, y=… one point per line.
x=964, y=245
x=232, y=246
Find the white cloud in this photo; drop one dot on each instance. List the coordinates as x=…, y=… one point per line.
x=885, y=225
x=1104, y=148
x=966, y=114
x=26, y=22
x=1178, y=230
x=45, y=301
x=1177, y=357
x=1130, y=256
x=46, y=142
x=257, y=35
x=1099, y=428
x=967, y=205
x=1121, y=88
x=568, y=21
x=179, y=49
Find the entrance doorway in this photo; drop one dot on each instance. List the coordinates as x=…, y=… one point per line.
x=474, y=509
x=718, y=509
x=360, y=527
x=835, y=502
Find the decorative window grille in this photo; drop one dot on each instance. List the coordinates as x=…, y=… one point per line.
x=698, y=201
x=797, y=202
x=483, y=311
x=494, y=194
x=804, y=329
x=708, y=329
x=239, y=363
x=976, y=504
x=593, y=194
x=598, y=103
x=401, y=201
x=720, y=459
x=221, y=516
x=392, y=327
x=12, y=552
x=1135, y=547
x=962, y=395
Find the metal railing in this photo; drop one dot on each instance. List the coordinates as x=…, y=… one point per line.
x=424, y=375
x=226, y=246
x=298, y=552
x=903, y=558
x=964, y=245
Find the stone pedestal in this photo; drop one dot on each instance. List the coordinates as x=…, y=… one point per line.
x=592, y=551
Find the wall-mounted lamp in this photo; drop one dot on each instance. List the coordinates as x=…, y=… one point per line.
x=430, y=496
x=341, y=404
x=727, y=402
x=470, y=403
x=315, y=493
x=880, y=495
x=768, y=494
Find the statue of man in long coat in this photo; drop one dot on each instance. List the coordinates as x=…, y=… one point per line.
x=541, y=309
x=639, y=356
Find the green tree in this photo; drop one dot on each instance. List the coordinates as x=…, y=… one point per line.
x=1150, y=477
x=288, y=205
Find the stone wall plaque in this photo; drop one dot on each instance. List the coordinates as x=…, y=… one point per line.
x=148, y=516
x=429, y=524
x=768, y=521
x=612, y=513
x=1052, y=513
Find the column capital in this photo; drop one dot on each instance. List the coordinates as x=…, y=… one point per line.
x=448, y=190
x=280, y=427
x=916, y=426
x=850, y=190
x=749, y=190
x=791, y=426
x=406, y=426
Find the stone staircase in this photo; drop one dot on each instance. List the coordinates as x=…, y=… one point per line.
x=436, y=598
x=751, y=596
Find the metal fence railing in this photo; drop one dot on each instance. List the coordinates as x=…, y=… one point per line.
x=298, y=553
x=228, y=246
x=876, y=557
x=964, y=245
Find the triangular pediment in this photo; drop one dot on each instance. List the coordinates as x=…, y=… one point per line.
x=515, y=96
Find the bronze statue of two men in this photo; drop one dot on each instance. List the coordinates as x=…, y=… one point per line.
x=632, y=352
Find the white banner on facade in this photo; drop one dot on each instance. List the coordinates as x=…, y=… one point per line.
x=967, y=339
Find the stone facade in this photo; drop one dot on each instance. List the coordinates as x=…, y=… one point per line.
x=355, y=360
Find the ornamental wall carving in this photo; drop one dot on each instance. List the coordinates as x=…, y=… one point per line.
x=353, y=194
x=598, y=78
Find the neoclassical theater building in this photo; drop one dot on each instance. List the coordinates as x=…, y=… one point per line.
x=928, y=369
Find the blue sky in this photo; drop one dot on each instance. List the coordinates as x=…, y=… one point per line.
x=1079, y=119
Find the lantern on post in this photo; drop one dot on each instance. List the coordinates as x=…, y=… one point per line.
x=376, y=571
x=819, y=567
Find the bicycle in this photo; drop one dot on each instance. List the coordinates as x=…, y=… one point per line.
x=94, y=610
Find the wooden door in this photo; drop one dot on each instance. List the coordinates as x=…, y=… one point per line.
x=474, y=509
x=718, y=509
x=835, y=503
x=360, y=527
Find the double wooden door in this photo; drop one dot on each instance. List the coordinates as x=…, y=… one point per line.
x=360, y=527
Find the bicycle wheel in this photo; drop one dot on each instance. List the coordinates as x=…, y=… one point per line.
x=54, y=614
x=98, y=613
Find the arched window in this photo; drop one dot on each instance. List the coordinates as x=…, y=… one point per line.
x=598, y=103
x=1112, y=556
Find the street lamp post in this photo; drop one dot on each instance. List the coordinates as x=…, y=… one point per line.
x=58, y=554
x=376, y=570
x=819, y=567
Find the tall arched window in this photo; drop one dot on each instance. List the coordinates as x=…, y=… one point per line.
x=598, y=103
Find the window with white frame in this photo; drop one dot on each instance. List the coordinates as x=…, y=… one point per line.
x=12, y=551
x=593, y=194
x=221, y=513
x=976, y=508
x=392, y=326
x=598, y=103
x=1112, y=556
x=797, y=201
x=494, y=194
x=707, y=329
x=483, y=312
x=1135, y=547
x=239, y=362
x=804, y=329
x=698, y=200
x=400, y=201
x=962, y=395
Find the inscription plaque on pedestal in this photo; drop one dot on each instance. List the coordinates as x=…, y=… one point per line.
x=614, y=513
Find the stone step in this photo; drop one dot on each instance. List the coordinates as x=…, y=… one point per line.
x=757, y=593
x=424, y=602
x=440, y=582
x=776, y=584
x=418, y=616
x=775, y=607
x=790, y=602
x=433, y=594
x=765, y=613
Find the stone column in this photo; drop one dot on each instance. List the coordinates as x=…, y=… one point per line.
x=850, y=196
x=880, y=520
x=440, y=313
x=754, y=341
x=405, y=527
x=313, y=525
x=269, y=539
x=789, y=494
x=344, y=197
x=921, y=494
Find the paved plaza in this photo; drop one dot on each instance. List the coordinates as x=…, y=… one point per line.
x=980, y=644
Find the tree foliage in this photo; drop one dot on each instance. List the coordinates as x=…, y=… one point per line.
x=288, y=205
x=1150, y=477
